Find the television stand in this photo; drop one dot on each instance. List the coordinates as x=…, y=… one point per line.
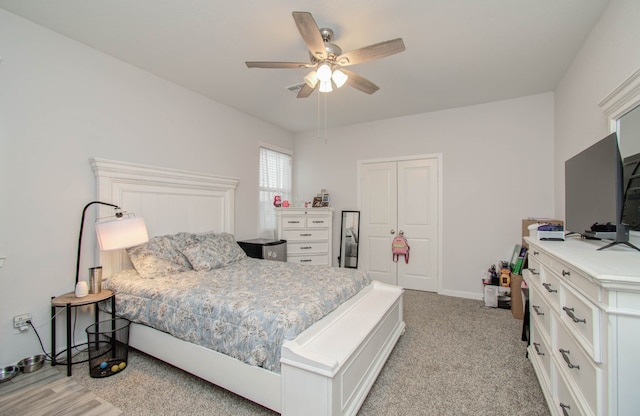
x=615, y=243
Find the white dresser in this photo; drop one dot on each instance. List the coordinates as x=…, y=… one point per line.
x=308, y=234
x=585, y=326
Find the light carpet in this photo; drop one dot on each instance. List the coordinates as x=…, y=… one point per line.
x=456, y=357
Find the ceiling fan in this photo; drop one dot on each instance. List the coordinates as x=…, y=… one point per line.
x=328, y=61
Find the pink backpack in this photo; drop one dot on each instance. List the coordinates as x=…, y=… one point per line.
x=400, y=247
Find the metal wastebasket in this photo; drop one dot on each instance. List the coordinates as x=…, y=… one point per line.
x=108, y=347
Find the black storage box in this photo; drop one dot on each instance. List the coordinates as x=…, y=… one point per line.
x=263, y=248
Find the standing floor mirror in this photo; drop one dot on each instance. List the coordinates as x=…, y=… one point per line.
x=350, y=232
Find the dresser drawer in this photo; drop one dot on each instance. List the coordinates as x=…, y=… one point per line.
x=582, y=282
x=539, y=256
x=581, y=371
x=291, y=221
x=305, y=235
x=583, y=320
x=311, y=259
x=304, y=248
x=565, y=402
x=540, y=353
x=550, y=287
x=534, y=269
x=317, y=222
x=304, y=221
x=540, y=312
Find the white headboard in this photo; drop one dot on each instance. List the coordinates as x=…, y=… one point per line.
x=169, y=200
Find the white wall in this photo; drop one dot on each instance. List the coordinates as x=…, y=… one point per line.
x=497, y=170
x=62, y=103
x=610, y=55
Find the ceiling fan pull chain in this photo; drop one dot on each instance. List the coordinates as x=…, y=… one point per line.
x=318, y=116
x=325, y=118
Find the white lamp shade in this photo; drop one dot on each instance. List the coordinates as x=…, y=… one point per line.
x=324, y=72
x=339, y=78
x=311, y=79
x=121, y=233
x=325, y=86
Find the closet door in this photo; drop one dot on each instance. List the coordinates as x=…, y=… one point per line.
x=379, y=219
x=418, y=221
x=400, y=197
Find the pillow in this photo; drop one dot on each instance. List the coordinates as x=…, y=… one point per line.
x=161, y=256
x=236, y=252
x=213, y=251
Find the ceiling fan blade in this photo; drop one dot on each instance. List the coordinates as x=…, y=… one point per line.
x=371, y=52
x=360, y=83
x=306, y=90
x=310, y=32
x=259, y=64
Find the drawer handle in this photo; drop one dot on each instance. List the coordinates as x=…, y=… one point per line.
x=565, y=355
x=305, y=260
x=318, y=222
x=537, y=309
x=293, y=222
x=535, y=253
x=564, y=408
x=534, y=271
x=537, y=347
x=569, y=312
x=305, y=235
x=565, y=273
x=548, y=287
x=306, y=248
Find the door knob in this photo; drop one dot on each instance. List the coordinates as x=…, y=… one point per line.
x=392, y=231
x=401, y=232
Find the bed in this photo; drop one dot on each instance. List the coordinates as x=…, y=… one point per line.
x=328, y=369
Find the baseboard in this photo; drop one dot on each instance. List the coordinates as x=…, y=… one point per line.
x=460, y=294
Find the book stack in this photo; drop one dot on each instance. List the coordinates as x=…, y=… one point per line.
x=518, y=259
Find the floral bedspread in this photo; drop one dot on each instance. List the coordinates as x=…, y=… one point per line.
x=246, y=309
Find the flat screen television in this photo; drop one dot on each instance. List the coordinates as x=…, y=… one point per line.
x=594, y=193
x=631, y=180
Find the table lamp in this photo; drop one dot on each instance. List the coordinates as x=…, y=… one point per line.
x=126, y=230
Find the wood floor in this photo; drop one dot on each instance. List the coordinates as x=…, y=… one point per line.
x=49, y=392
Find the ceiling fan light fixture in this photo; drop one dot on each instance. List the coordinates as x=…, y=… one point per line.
x=311, y=79
x=339, y=78
x=325, y=86
x=324, y=73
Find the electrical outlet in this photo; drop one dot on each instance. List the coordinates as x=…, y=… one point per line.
x=21, y=320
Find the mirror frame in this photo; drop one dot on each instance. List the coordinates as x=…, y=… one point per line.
x=621, y=101
x=343, y=241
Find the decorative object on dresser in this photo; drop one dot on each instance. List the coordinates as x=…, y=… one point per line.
x=585, y=326
x=308, y=234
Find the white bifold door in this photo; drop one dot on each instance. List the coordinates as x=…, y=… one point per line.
x=400, y=197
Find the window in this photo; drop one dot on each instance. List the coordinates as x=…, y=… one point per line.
x=275, y=179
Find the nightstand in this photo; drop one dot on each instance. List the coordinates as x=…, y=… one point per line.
x=262, y=248
x=68, y=301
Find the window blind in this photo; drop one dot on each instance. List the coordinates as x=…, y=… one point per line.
x=275, y=179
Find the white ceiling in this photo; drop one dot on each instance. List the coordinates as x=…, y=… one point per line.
x=458, y=52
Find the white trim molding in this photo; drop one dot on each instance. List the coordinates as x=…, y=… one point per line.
x=621, y=100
